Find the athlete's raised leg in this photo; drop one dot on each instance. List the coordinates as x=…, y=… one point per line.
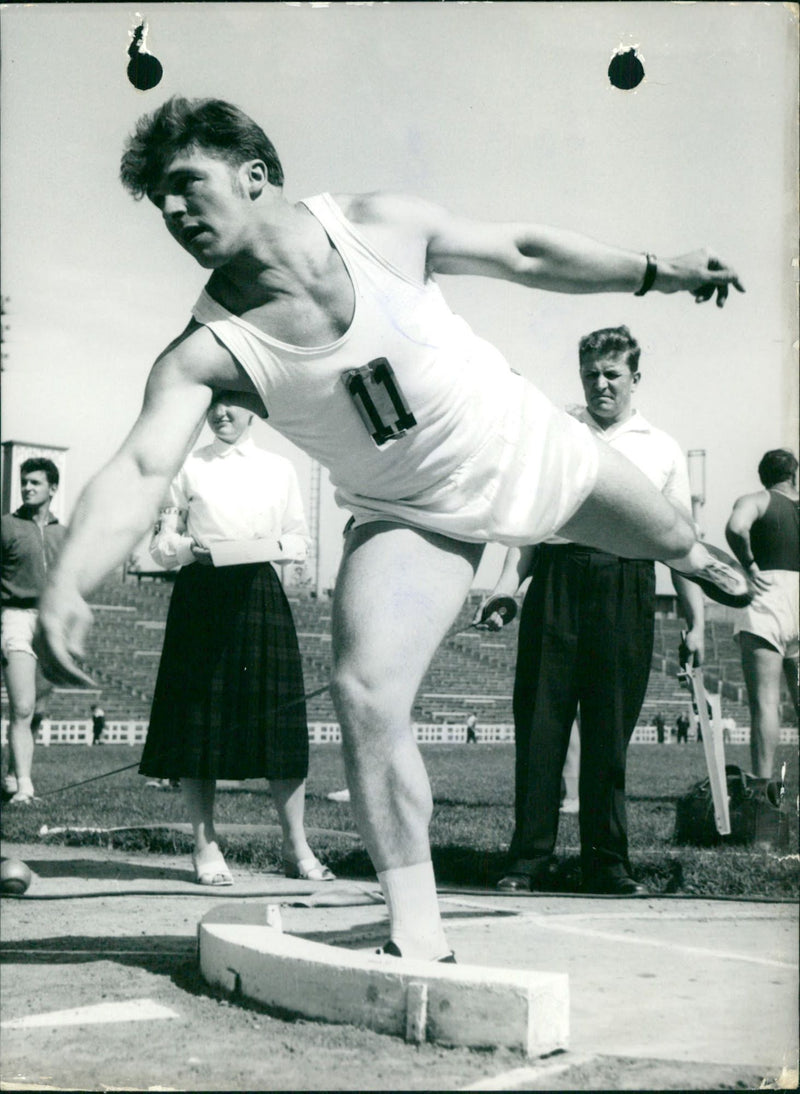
x=627, y=516
x=399, y=590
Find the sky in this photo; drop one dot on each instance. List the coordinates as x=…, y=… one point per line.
x=498, y=111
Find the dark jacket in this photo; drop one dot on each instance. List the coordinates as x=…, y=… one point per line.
x=29, y=552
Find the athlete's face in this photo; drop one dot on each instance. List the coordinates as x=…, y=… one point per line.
x=205, y=206
x=228, y=422
x=35, y=489
x=608, y=385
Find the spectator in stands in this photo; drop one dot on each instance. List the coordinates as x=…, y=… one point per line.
x=659, y=723
x=763, y=533
x=472, y=721
x=682, y=724
x=586, y=637
x=228, y=701
x=728, y=726
x=31, y=538
x=98, y=724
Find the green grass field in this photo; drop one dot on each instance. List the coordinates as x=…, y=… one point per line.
x=473, y=789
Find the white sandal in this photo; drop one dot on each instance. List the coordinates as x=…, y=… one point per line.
x=215, y=872
x=308, y=869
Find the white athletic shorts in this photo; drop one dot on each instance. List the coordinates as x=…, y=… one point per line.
x=18, y=627
x=773, y=615
x=530, y=472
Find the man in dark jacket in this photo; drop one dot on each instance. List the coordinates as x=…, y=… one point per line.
x=31, y=538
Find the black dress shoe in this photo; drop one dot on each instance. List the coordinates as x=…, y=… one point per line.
x=613, y=881
x=526, y=880
x=514, y=883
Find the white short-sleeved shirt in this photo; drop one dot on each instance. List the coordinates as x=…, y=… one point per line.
x=233, y=492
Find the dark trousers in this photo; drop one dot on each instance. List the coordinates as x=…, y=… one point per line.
x=586, y=637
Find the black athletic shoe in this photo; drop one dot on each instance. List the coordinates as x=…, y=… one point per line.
x=391, y=949
x=722, y=579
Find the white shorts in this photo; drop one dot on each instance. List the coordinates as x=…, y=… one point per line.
x=773, y=615
x=526, y=478
x=18, y=627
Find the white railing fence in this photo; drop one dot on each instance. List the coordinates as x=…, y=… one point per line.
x=79, y=732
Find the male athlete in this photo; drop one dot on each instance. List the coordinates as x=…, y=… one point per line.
x=325, y=315
x=763, y=531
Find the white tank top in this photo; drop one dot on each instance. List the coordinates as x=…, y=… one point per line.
x=411, y=413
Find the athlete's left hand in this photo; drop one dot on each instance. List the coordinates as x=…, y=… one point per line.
x=701, y=273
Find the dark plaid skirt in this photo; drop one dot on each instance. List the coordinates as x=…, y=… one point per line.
x=230, y=662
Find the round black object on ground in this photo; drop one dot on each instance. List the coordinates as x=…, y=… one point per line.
x=15, y=877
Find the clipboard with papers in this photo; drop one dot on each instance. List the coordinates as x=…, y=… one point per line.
x=239, y=552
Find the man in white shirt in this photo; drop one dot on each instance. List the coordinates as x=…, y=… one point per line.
x=586, y=637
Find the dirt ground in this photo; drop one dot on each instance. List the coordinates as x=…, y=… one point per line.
x=99, y=928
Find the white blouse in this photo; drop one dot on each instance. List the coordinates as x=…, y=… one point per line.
x=231, y=492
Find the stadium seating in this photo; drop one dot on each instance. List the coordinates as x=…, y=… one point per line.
x=473, y=670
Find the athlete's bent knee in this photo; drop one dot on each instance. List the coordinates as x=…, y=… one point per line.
x=359, y=700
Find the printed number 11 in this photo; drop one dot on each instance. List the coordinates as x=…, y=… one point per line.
x=379, y=400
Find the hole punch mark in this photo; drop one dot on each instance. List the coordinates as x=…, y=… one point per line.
x=626, y=71
x=144, y=70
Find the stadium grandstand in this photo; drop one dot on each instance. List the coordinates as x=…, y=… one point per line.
x=472, y=671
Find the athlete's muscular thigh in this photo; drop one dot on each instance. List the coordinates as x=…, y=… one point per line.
x=398, y=592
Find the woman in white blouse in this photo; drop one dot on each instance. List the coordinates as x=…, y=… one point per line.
x=228, y=699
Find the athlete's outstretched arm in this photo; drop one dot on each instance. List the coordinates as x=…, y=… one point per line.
x=118, y=507
x=563, y=261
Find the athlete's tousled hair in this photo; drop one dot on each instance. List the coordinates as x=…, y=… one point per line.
x=218, y=128
x=777, y=465
x=609, y=342
x=40, y=463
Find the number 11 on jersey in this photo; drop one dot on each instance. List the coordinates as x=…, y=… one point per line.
x=379, y=400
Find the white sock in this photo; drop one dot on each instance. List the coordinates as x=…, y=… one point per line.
x=414, y=919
